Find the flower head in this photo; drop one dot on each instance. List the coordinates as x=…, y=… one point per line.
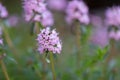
x=112, y=16
x=35, y=10
x=3, y=11
x=33, y=7
x=100, y=36
x=114, y=35
x=49, y=41
x=58, y=5
x=77, y=10
x=13, y=20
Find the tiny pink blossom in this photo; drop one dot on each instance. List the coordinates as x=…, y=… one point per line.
x=48, y=41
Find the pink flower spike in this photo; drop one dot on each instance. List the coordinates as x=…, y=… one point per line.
x=77, y=10
x=36, y=11
x=48, y=41
x=112, y=16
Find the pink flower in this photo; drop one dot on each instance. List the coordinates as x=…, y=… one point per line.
x=48, y=41
x=100, y=36
x=1, y=40
x=36, y=10
x=114, y=35
x=58, y=5
x=33, y=7
x=47, y=19
x=112, y=16
x=96, y=21
x=13, y=20
x=3, y=11
x=77, y=10
x=117, y=37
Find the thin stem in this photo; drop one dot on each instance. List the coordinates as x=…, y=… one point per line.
x=9, y=42
x=52, y=66
x=37, y=70
x=112, y=51
x=4, y=70
x=78, y=42
x=38, y=73
x=11, y=45
x=37, y=30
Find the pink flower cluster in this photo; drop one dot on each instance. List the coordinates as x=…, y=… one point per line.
x=100, y=37
x=3, y=11
x=113, y=16
x=12, y=20
x=48, y=41
x=114, y=35
x=58, y=5
x=35, y=10
x=77, y=10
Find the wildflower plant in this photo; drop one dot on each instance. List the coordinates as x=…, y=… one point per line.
x=47, y=40
x=44, y=55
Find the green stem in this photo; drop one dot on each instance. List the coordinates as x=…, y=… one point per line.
x=4, y=70
x=112, y=51
x=78, y=42
x=37, y=30
x=52, y=66
x=10, y=44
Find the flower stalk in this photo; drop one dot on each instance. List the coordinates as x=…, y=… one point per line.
x=52, y=66
x=4, y=70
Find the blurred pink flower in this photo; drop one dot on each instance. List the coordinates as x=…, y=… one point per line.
x=47, y=19
x=114, y=35
x=1, y=40
x=48, y=41
x=112, y=16
x=36, y=10
x=13, y=20
x=77, y=10
x=33, y=7
x=117, y=37
x=3, y=11
x=100, y=36
x=96, y=21
x=58, y=5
